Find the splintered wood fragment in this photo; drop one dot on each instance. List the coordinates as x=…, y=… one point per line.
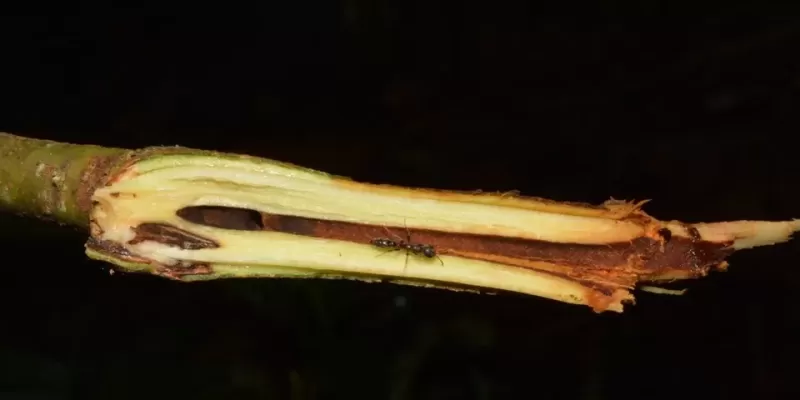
x=658, y=290
x=191, y=215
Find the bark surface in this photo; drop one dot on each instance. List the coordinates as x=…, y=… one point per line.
x=52, y=180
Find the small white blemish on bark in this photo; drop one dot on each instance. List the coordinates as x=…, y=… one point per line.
x=58, y=179
x=39, y=169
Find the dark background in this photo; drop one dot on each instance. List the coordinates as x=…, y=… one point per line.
x=694, y=106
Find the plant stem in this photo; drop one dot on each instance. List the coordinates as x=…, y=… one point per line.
x=51, y=180
x=190, y=214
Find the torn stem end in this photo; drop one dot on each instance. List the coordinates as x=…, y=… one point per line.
x=311, y=224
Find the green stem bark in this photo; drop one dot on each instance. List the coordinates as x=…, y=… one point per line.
x=51, y=180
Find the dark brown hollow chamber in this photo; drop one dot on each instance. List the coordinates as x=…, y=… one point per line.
x=673, y=253
x=240, y=219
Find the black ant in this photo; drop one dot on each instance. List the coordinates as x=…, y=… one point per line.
x=419, y=249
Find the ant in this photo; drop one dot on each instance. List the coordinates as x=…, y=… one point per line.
x=407, y=245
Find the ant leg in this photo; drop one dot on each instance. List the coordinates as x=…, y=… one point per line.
x=386, y=252
x=391, y=233
x=393, y=250
x=408, y=242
